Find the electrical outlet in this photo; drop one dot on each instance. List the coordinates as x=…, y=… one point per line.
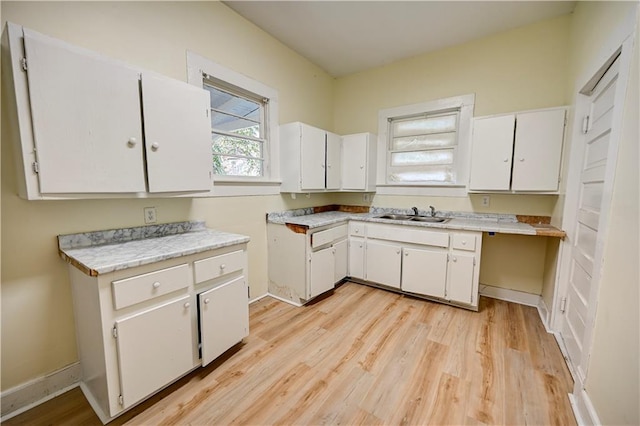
x=150, y=215
x=366, y=197
x=486, y=201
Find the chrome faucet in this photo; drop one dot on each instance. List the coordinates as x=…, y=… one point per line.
x=432, y=211
x=415, y=211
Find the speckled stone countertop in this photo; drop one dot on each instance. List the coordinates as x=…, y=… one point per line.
x=101, y=252
x=498, y=223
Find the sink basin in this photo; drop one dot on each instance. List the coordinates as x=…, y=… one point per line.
x=429, y=219
x=395, y=216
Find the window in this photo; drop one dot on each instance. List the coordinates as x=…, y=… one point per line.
x=426, y=145
x=237, y=131
x=244, y=129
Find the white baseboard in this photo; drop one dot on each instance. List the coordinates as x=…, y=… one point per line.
x=583, y=409
x=510, y=295
x=21, y=398
x=254, y=300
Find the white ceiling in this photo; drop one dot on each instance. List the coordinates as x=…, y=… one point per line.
x=345, y=37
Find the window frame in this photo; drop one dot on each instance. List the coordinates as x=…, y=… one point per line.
x=465, y=105
x=199, y=71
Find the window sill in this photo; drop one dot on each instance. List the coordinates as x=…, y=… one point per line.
x=443, y=190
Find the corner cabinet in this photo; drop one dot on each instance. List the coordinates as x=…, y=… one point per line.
x=310, y=158
x=436, y=264
x=305, y=263
x=519, y=152
x=142, y=328
x=86, y=124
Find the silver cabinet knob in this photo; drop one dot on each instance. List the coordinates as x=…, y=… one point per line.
x=506, y=160
x=455, y=259
x=206, y=301
x=186, y=305
x=522, y=159
x=222, y=267
x=156, y=284
x=132, y=142
x=155, y=146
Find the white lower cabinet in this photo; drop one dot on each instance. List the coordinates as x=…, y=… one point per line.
x=424, y=272
x=322, y=270
x=142, y=328
x=356, y=257
x=304, y=263
x=224, y=318
x=383, y=263
x=433, y=263
x=154, y=347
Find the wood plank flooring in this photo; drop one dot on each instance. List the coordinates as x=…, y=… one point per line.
x=363, y=356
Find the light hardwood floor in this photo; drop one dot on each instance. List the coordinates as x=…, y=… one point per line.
x=363, y=356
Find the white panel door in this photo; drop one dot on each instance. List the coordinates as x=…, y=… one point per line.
x=538, y=150
x=154, y=348
x=341, y=259
x=354, y=162
x=586, y=251
x=177, y=135
x=491, y=153
x=312, y=163
x=86, y=120
x=334, y=155
x=461, y=273
x=383, y=264
x=322, y=273
x=224, y=318
x=356, y=258
x=424, y=272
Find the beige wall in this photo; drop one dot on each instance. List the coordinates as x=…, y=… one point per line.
x=521, y=69
x=613, y=377
x=38, y=335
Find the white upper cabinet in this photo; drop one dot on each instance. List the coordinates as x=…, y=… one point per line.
x=518, y=152
x=310, y=158
x=359, y=162
x=83, y=123
x=87, y=134
x=177, y=135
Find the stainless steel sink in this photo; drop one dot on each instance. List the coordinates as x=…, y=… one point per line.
x=428, y=219
x=395, y=216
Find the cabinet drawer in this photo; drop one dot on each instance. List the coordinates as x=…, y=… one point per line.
x=217, y=266
x=130, y=291
x=464, y=242
x=357, y=229
x=328, y=235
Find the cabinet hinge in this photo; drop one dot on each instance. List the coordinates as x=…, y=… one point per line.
x=474, y=261
x=248, y=293
x=35, y=167
x=120, y=400
x=585, y=124
x=114, y=331
x=563, y=305
x=447, y=257
x=23, y=62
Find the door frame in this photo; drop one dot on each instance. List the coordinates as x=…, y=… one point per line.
x=620, y=43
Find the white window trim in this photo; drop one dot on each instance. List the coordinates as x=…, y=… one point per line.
x=269, y=184
x=466, y=104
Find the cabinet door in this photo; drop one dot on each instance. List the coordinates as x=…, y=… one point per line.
x=538, y=150
x=177, y=135
x=312, y=152
x=155, y=347
x=354, y=162
x=224, y=318
x=334, y=154
x=383, y=264
x=341, y=256
x=322, y=273
x=86, y=120
x=424, y=272
x=356, y=258
x=461, y=274
x=491, y=153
